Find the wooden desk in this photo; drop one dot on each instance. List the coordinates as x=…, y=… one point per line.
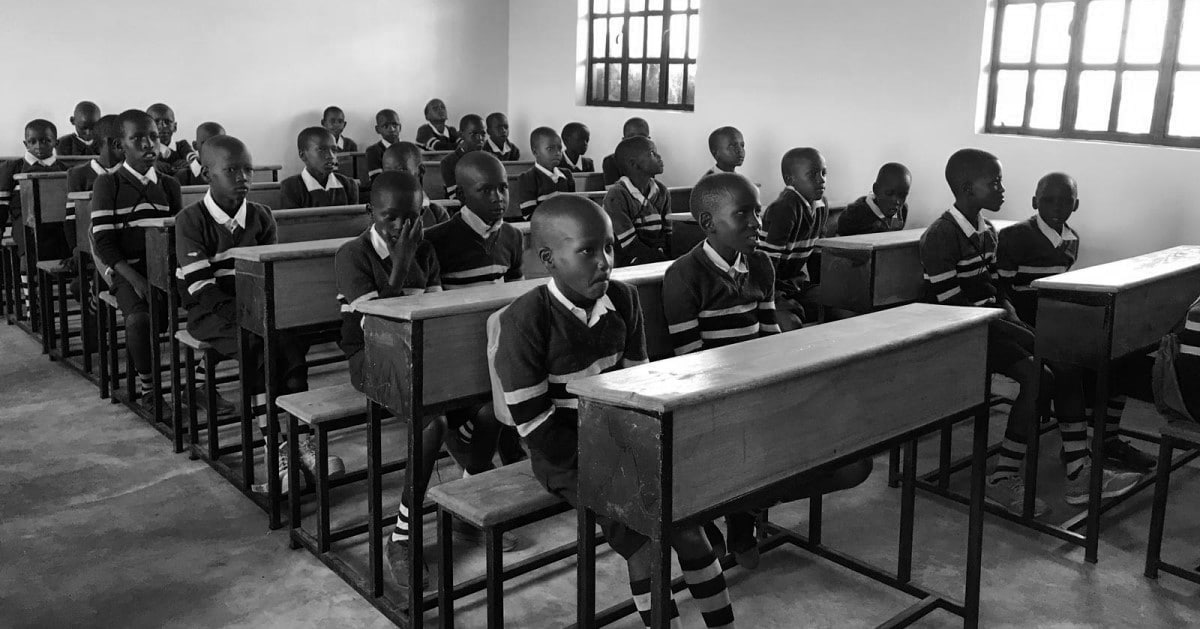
x=1092, y=316
x=435, y=186
x=428, y=353
x=769, y=409
x=589, y=182
x=685, y=233
x=43, y=208
x=353, y=165
x=266, y=173
x=266, y=193
x=869, y=272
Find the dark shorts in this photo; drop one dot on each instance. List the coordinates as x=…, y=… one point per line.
x=289, y=363
x=1008, y=344
x=131, y=303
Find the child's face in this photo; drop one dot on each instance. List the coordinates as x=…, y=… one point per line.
x=497, y=130
x=1055, y=201
x=735, y=221
x=436, y=113
x=229, y=176
x=485, y=192
x=164, y=120
x=578, y=142
x=807, y=176
x=986, y=192
x=139, y=139
x=891, y=193
x=731, y=151
x=473, y=137
x=388, y=127
x=547, y=151
x=320, y=155
x=581, y=260
x=335, y=123
x=394, y=212
x=84, y=122
x=40, y=142
x=649, y=161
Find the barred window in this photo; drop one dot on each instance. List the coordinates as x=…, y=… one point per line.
x=642, y=53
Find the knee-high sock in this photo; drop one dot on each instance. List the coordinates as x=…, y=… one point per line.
x=641, y=600
x=706, y=582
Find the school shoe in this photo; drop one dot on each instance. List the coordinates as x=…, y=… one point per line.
x=1121, y=454
x=396, y=554
x=1112, y=485
x=146, y=403
x=308, y=459
x=225, y=408
x=743, y=541
x=472, y=535
x=263, y=487
x=1008, y=492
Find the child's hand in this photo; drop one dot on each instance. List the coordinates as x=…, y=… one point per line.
x=407, y=240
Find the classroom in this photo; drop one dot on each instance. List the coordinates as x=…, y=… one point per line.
x=670, y=313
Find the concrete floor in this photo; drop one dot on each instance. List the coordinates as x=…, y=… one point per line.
x=102, y=526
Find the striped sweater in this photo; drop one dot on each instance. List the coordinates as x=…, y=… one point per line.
x=81, y=178
x=639, y=221
x=1028, y=251
x=121, y=205
x=468, y=259
x=790, y=228
x=298, y=192
x=960, y=269
x=430, y=140
x=374, y=157
x=535, y=186
x=709, y=303
x=201, y=242
x=542, y=346
x=70, y=144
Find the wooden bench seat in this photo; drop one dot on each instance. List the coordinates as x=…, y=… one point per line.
x=316, y=407
x=187, y=340
x=1183, y=431
x=494, y=497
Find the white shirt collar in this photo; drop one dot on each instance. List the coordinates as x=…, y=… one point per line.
x=380, y=245
x=100, y=170
x=576, y=165
x=339, y=142
x=385, y=143
x=31, y=160
x=738, y=266
x=1054, y=237
x=444, y=133
x=475, y=223
x=196, y=167
x=150, y=177
x=312, y=184
x=164, y=150
x=965, y=225
x=496, y=149
x=554, y=176
x=220, y=217
x=811, y=204
x=875, y=206
x=637, y=194
x=590, y=319
x=85, y=142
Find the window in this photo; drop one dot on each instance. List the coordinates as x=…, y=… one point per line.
x=642, y=53
x=1120, y=70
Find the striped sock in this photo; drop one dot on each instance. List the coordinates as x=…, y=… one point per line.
x=145, y=384
x=1074, y=442
x=465, y=432
x=201, y=376
x=706, y=582
x=641, y=600
x=1012, y=452
x=400, y=533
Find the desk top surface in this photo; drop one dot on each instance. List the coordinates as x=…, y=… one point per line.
x=1124, y=274
x=52, y=175
x=870, y=242
x=289, y=251
x=256, y=185
x=485, y=298
x=693, y=379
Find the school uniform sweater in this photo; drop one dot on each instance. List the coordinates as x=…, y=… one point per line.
x=81, y=179
x=71, y=144
x=790, y=228
x=190, y=174
x=580, y=165
x=470, y=253
x=429, y=139
x=345, y=145
x=506, y=153
x=447, y=166
x=710, y=303
x=363, y=268
x=10, y=192
x=959, y=261
x=172, y=158
x=1028, y=251
x=537, y=184
x=432, y=213
x=545, y=342
x=121, y=205
x=374, y=157
x=304, y=190
x=863, y=216
x=639, y=221
x=611, y=171
x=202, y=238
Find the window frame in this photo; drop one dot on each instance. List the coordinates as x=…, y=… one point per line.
x=663, y=59
x=1167, y=67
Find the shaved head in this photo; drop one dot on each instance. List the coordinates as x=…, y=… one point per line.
x=565, y=216
x=629, y=148
x=892, y=171
x=87, y=108
x=715, y=191
x=1057, y=179
x=159, y=108
x=391, y=186
x=221, y=147
x=635, y=126
x=478, y=166
x=107, y=127
x=794, y=157
x=397, y=156
x=967, y=165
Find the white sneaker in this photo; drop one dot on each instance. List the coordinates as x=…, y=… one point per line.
x=308, y=459
x=1112, y=485
x=1009, y=492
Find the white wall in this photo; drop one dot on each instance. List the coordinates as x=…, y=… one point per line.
x=866, y=81
x=263, y=68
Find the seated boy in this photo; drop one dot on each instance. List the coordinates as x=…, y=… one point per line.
x=638, y=204
x=387, y=125
x=392, y=259
x=83, y=141
x=611, y=165
x=472, y=139
x=728, y=148
x=476, y=247
x=40, y=138
x=334, y=121
x=958, y=253
x=721, y=293
x=544, y=179
x=885, y=209
x=497, y=142
x=790, y=228
x=575, y=137
x=170, y=156
x=435, y=134
x=1043, y=246
x=193, y=173
x=581, y=324
x=110, y=154
x=406, y=157
x=204, y=231
x=319, y=184
x=120, y=202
